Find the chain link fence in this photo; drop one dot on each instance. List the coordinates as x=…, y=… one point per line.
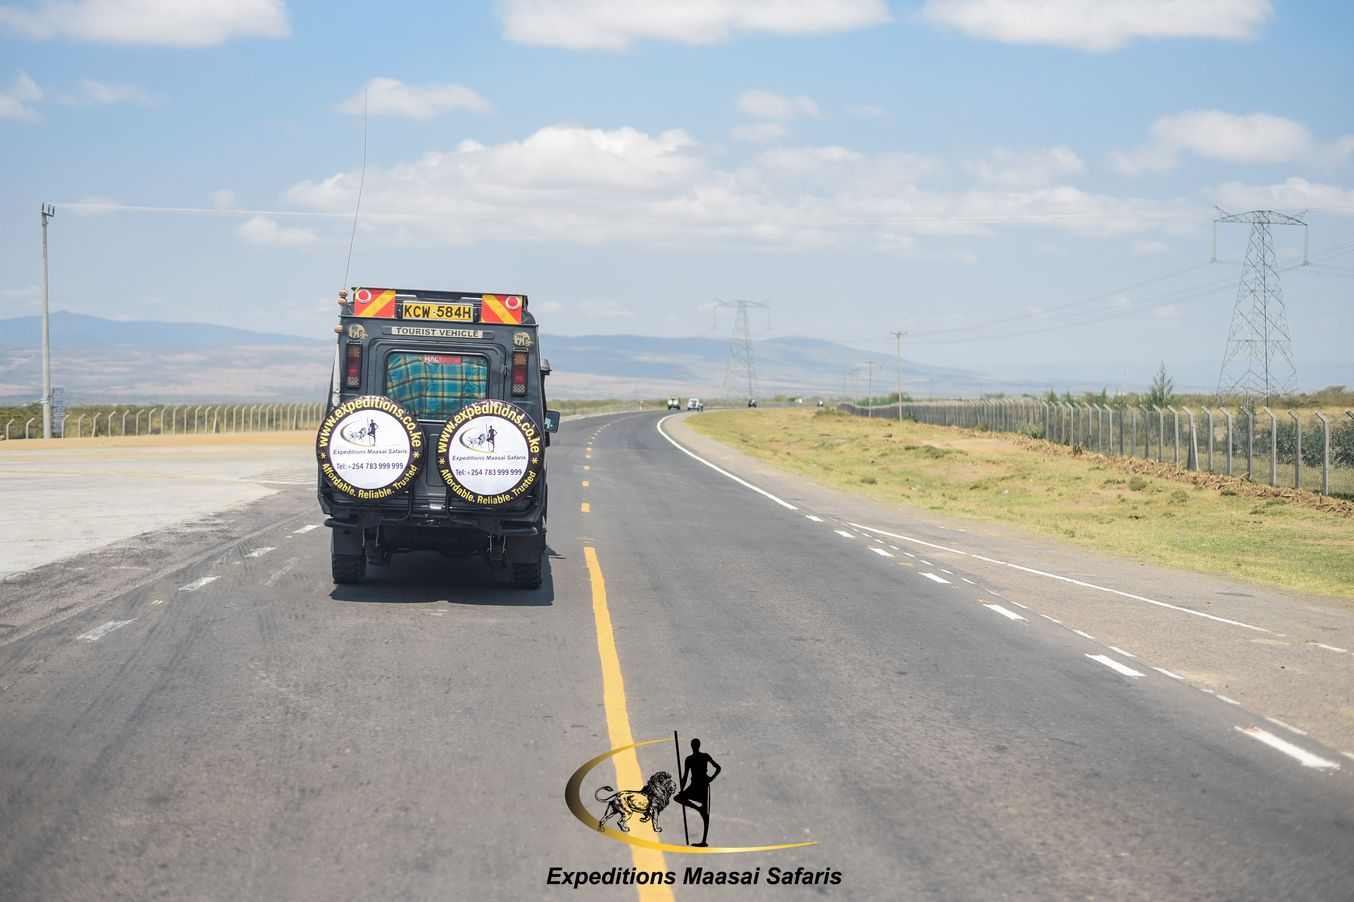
x=1304, y=449
x=168, y=419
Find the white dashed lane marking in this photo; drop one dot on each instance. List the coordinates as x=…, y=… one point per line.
x=198, y=583
x=1127, y=654
x=1085, y=635
x=1163, y=670
x=936, y=579
x=843, y=533
x=1297, y=752
x=813, y=518
x=1065, y=579
x=305, y=529
x=99, y=632
x=881, y=552
x=1286, y=726
x=1116, y=666
x=1335, y=648
x=260, y=552
x=1008, y=614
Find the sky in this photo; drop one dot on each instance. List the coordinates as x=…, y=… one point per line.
x=1027, y=188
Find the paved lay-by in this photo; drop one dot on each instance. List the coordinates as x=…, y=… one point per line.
x=945, y=719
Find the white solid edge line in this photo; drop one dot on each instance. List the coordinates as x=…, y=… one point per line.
x=1114, y=665
x=743, y=482
x=1008, y=614
x=844, y=534
x=1067, y=579
x=197, y=583
x=1085, y=635
x=1304, y=757
x=99, y=632
x=1126, y=654
x=1174, y=676
x=881, y=552
x=1334, y=648
x=1286, y=726
x=936, y=579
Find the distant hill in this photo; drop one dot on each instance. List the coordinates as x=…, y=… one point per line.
x=104, y=360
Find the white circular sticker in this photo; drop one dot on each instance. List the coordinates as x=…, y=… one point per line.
x=490, y=452
x=369, y=447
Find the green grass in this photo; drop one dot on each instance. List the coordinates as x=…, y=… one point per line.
x=1083, y=500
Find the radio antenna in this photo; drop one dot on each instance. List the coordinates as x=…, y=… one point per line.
x=343, y=289
x=361, y=183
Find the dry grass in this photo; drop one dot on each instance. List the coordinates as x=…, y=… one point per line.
x=1086, y=500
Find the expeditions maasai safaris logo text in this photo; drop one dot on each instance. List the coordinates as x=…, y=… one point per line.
x=369, y=448
x=489, y=453
x=635, y=815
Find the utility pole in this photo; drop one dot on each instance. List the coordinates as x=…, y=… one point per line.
x=740, y=345
x=1258, y=359
x=48, y=211
x=899, y=336
x=869, y=387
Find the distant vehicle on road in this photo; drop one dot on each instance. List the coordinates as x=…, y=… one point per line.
x=752, y=402
x=674, y=404
x=695, y=404
x=435, y=433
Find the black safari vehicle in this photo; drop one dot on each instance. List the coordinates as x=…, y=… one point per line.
x=436, y=431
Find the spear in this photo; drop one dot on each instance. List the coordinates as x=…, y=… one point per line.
x=681, y=778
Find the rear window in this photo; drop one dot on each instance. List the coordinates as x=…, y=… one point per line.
x=436, y=386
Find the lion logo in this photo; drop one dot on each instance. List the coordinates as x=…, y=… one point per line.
x=648, y=802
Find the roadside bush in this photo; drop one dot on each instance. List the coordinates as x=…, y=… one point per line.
x=1032, y=430
x=1137, y=484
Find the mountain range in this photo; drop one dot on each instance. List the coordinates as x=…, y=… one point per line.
x=105, y=360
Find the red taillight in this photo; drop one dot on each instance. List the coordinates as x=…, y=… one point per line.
x=519, y=372
x=352, y=370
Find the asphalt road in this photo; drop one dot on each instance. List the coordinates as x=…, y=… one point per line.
x=221, y=722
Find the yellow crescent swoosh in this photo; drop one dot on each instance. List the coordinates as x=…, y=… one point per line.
x=575, y=803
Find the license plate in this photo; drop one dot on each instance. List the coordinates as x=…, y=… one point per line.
x=457, y=313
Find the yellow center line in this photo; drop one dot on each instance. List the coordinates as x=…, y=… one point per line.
x=628, y=773
x=587, y=508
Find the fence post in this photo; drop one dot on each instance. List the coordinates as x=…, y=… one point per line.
x=27, y=425
x=1250, y=444
x=1297, y=450
x=1228, y=414
x=1175, y=429
x=1325, y=453
x=1208, y=413
x=1273, y=446
x=64, y=418
x=9, y=423
x=1193, y=455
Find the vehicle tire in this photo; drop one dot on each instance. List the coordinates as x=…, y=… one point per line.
x=348, y=568
x=527, y=576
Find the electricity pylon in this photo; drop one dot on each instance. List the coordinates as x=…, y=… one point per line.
x=741, y=366
x=1258, y=360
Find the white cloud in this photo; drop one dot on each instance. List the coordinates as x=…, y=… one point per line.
x=392, y=97
x=15, y=103
x=1149, y=248
x=866, y=111
x=1216, y=135
x=1027, y=169
x=777, y=107
x=1166, y=311
x=1121, y=302
x=1291, y=194
x=99, y=93
x=265, y=230
x=224, y=199
x=606, y=309
x=580, y=185
x=759, y=132
x=1100, y=25
x=616, y=24
x=199, y=23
